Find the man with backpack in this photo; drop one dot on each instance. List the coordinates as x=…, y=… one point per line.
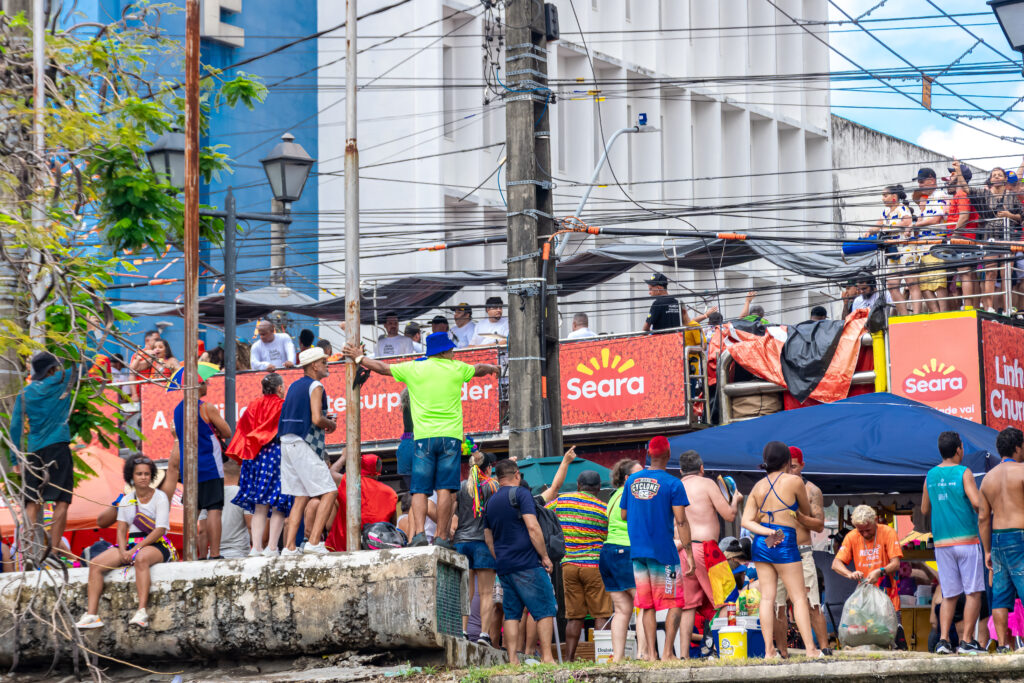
x=515, y=538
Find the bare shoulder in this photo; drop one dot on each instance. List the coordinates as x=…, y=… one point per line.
x=812, y=490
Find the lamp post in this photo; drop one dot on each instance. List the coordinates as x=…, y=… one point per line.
x=287, y=168
x=1010, y=14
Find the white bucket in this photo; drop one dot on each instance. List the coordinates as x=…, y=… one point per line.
x=603, y=651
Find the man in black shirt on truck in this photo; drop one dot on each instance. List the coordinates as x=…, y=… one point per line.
x=665, y=312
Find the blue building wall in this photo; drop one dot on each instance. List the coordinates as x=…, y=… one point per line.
x=249, y=136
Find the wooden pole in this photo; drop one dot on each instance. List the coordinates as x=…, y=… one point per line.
x=190, y=469
x=353, y=459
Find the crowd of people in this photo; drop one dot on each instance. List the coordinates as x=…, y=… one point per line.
x=918, y=281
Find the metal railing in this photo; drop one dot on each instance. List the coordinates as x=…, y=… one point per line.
x=728, y=391
x=702, y=377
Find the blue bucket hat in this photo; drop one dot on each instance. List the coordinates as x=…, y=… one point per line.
x=437, y=342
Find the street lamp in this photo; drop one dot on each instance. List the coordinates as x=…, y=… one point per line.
x=291, y=164
x=167, y=158
x=287, y=168
x=1010, y=14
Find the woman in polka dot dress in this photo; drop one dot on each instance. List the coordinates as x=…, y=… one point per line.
x=256, y=446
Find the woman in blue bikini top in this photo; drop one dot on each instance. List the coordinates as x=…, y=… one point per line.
x=774, y=550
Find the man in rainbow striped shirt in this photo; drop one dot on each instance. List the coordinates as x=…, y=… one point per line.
x=584, y=522
x=951, y=496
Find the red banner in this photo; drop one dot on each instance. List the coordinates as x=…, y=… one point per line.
x=935, y=361
x=1002, y=349
x=622, y=380
x=380, y=406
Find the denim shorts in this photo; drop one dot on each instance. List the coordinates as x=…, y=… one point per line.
x=406, y=448
x=478, y=553
x=1007, y=568
x=616, y=568
x=436, y=465
x=530, y=589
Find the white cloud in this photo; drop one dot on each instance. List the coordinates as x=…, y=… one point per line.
x=980, y=148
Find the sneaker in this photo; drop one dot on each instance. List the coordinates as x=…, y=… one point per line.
x=89, y=621
x=943, y=648
x=971, y=648
x=255, y=553
x=141, y=618
x=1004, y=650
x=270, y=552
x=826, y=651
x=318, y=549
x=484, y=639
x=418, y=541
x=444, y=543
x=291, y=553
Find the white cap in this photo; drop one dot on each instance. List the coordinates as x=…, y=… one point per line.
x=311, y=355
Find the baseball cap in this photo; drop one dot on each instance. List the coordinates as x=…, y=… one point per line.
x=494, y=301
x=964, y=169
x=796, y=454
x=924, y=174
x=463, y=307
x=412, y=328
x=1011, y=178
x=588, y=479
x=657, y=280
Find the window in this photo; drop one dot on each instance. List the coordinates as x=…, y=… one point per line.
x=448, y=88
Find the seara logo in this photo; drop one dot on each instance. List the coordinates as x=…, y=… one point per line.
x=934, y=381
x=605, y=378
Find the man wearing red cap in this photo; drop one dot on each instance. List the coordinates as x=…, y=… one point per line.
x=652, y=499
x=378, y=502
x=805, y=525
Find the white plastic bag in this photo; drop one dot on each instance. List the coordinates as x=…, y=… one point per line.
x=869, y=618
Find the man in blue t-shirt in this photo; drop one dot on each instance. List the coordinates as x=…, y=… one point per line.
x=514, y=537
x=651, y=500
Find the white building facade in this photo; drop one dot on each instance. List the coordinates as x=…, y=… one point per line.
x=733, y=133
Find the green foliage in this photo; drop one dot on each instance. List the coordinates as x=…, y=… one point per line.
x=105, y=105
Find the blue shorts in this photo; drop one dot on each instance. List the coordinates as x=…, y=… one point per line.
x=406, y=448
x=478, y=553
x=436, y=465
x=530, y=589
x=616, y=568
x=1007, y=568
x=786, y=552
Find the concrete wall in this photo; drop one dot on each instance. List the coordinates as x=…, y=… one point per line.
x=406, y=599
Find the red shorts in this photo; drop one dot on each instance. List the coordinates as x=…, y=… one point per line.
x=696, y=589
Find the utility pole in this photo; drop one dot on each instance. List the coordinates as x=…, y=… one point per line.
x=230, y=308
x=39, y=147
x=353, y=459
x=190, y=471
x=534, y=425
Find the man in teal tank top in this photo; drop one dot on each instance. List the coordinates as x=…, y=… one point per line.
x=951, y=497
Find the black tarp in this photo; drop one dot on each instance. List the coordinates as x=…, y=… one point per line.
x=415, y=295
x=807, y=354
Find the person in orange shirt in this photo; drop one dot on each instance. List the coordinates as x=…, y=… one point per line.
x=875, y=552
x=378, y=502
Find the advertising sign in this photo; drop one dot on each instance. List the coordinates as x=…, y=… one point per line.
x=935, y=362
x=622, y=380
x=380, y=414
x=1002, y=349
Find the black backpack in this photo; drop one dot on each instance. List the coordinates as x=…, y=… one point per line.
x=554, y=539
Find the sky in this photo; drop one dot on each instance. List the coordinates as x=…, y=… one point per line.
x=931, y=45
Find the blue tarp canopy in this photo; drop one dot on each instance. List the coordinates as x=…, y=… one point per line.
x=873, y=443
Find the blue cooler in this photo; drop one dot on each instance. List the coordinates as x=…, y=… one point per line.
x=755, y=641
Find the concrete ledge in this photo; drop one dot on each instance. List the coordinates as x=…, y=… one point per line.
x=370, y=600
x=948, y=669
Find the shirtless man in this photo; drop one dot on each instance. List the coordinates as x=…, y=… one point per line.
x=805, y=525
x=706, y=505
x=1001, y=527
